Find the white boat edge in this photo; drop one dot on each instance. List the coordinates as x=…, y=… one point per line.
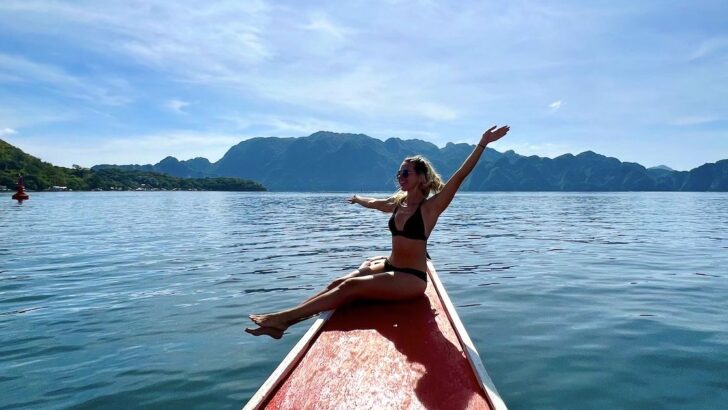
x=288, y=364
x=293, y=357
x=476, y=363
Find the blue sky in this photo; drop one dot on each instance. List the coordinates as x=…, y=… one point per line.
x=89, y=82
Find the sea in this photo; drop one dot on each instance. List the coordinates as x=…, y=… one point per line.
x=574, y=300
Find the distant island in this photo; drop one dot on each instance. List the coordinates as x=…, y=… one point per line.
x=327, y=161
x=42, y=176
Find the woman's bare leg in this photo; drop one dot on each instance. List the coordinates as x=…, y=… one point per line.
x=381, y=286
x=372, y=265
x=368, y=267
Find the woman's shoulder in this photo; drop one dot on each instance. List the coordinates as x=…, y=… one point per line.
x=430, y=206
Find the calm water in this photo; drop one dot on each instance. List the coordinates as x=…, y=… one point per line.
x=574, y=300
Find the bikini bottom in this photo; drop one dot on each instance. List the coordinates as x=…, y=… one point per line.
x=388, y=266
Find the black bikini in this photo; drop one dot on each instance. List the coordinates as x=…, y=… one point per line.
x=388, y=266
x=414, y=228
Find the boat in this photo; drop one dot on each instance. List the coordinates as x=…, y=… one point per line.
x=383, y=355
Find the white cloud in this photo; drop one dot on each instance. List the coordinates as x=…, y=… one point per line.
x=264, y=125
x=208, y=41
x=555, y=105
x=691, y=120
x=434, y=111
x=7, y=131
x=177, y=106
x=141, y=149
x=15, y=114
x=708, y=47
x=15, y=69
x=322, y=23
x=434, y=69
x=405, y=134
x=550, y=150
x=254, y=47
x=152, y=148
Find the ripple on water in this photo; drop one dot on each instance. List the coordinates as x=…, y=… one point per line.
x=142, y=302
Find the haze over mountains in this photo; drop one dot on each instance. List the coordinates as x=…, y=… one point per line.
x=327, y=161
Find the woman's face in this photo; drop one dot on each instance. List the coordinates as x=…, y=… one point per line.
x=407, y=177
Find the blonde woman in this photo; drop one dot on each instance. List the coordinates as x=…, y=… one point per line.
x=401, y=275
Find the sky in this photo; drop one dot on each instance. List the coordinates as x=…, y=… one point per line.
x=92, y=82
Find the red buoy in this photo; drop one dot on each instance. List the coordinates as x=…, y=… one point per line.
x=21, y=195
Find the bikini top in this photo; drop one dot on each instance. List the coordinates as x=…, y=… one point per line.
x=414, y=227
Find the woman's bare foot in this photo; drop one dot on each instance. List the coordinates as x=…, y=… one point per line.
x=269, y=331
x=271, y=320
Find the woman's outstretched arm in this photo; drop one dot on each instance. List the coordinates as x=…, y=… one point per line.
x=444, y=197
x=384, y=205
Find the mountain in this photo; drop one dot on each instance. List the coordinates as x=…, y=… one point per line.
x=707, y=177
x=41, y=175
x=660, y=171
x=327, y=161
x=37, y=174
x=194, y=168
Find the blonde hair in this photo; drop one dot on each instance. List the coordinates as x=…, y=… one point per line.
x=433, y=182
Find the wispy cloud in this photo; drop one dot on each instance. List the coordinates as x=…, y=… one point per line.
x=141, y=149
x=7, y=131
x=692, y=120
x=709, y=46
x=177, y=106
x=555, y=105
x=321, y=23
x=17, y=69
x=262, y=125
x=427, y=68
x=17, y=114
x=548, y=150
x=208, y=41
x=243, y=46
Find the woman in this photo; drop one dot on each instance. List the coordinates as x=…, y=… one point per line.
x=401, y=275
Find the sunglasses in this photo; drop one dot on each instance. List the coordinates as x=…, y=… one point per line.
x=404, y=173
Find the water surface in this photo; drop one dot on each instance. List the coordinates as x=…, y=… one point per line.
x=574, y=300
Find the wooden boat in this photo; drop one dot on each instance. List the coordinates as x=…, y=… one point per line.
x=394, y=355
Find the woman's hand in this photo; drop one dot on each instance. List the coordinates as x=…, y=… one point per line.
x=494, y=134
x=352, y=200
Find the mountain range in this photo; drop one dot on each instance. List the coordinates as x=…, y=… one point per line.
x=327, y=161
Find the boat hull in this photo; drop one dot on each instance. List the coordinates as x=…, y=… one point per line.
x=393, y=355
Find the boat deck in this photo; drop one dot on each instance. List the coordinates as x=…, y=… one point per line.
x=392, y=355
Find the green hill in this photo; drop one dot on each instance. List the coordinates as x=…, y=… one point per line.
x=41, y=175
x=38, y=175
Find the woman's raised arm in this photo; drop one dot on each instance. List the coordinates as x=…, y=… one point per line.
x=442, y=199
x=384, y=205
